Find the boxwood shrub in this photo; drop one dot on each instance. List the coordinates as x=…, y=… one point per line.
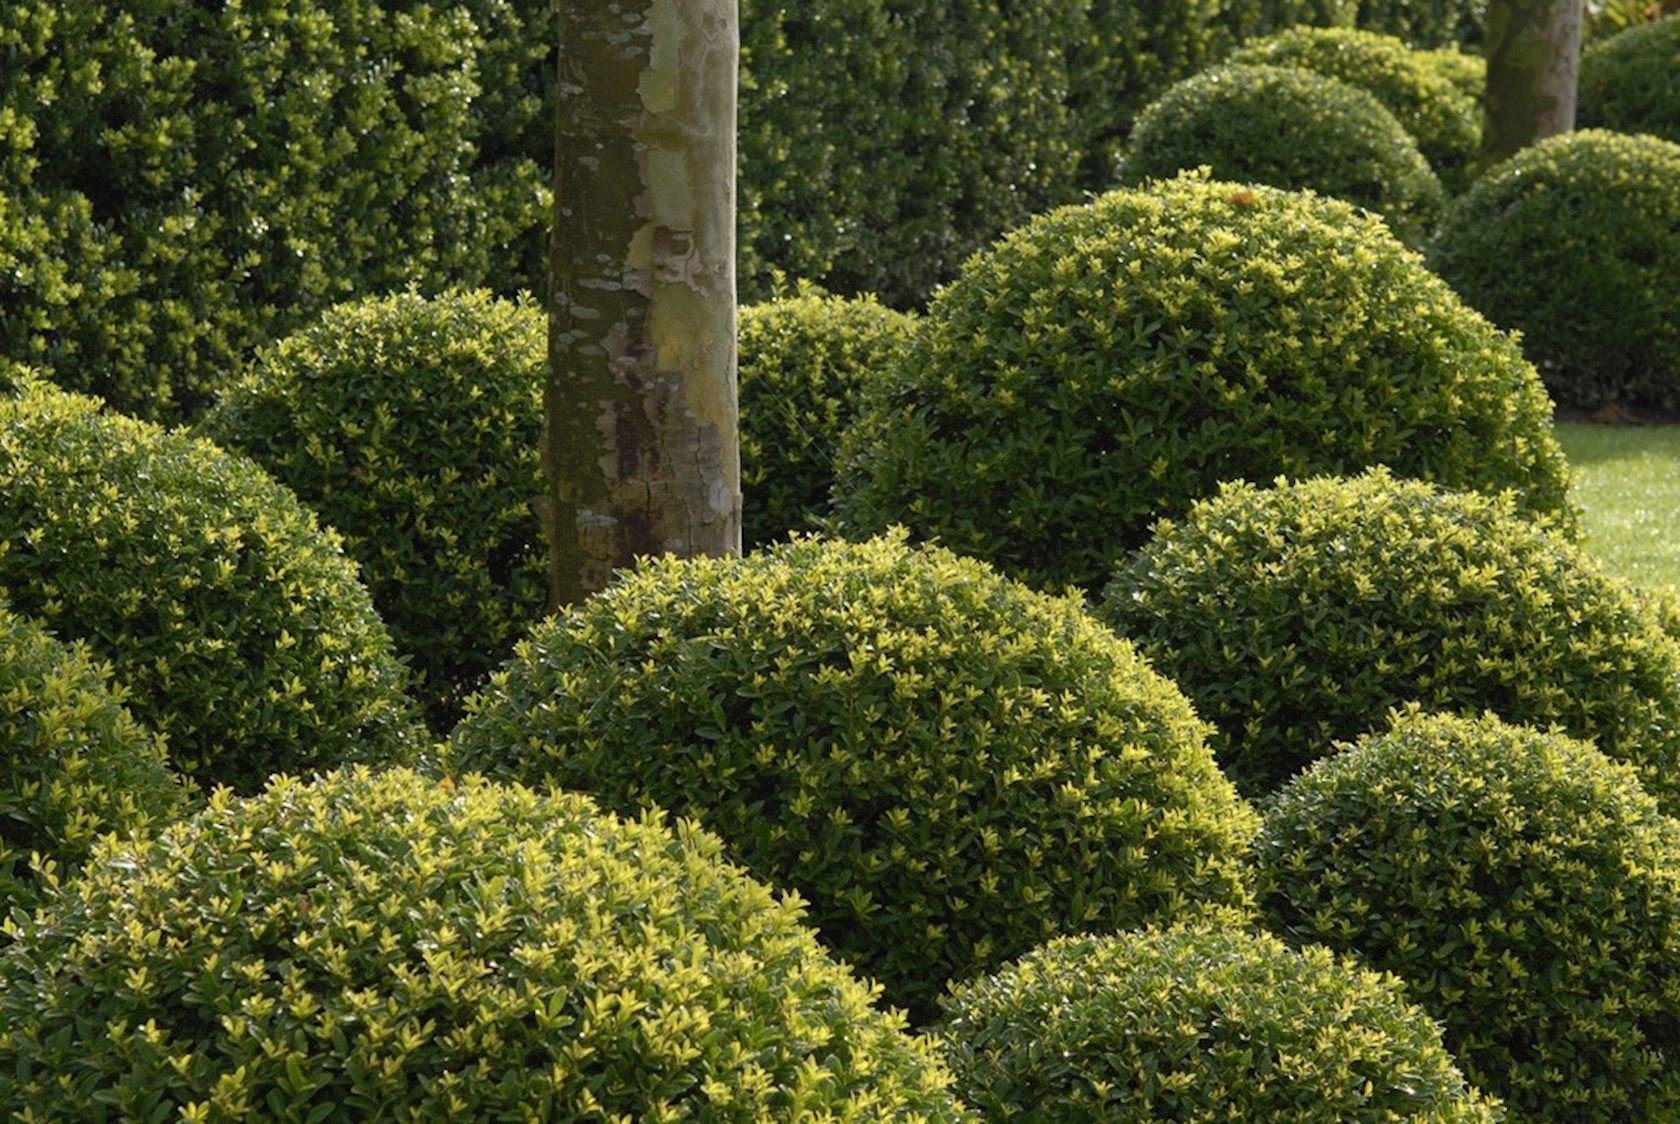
x=803, y=362
x=385, y=947
x=1110, y=363
x=187, y=180
x=1295, y=616
x=1445, y=123
x=412, y=426
x=1523, y=885
x=1289, y=128
x=1198, y=1023
x=1575, y=241
x=236, y=624
x=73, y=763
x=1628, y=81
x=1464, y=70
x=949, y=767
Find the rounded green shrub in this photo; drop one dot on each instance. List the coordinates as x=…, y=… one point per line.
x=1444, y=122
x=1295, y=616
x=1575, y=242
x=949, y=767
x=1198, y=1023
x=385, y=947
x=1630, y=81
x=1291, y=128
x=187, y=181
x=1467, y=72
x=803, y=363
x=73, y=763
x=236, y=624
x=1110, y=363
x=412, y=426
x=1525, y=888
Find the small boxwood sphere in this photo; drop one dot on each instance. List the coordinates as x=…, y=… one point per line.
x=1198, y=1023
x=949, y=767
x=1108, y=364
x=412, y=426
x=1575, y=241
x=1522, y=884
x=1630, y=81
x=385, y=947
x=73, y=763
x=1295, y=616
x=1445, y=123
x=803, y=362
x=1289, y=128
x=236, y=624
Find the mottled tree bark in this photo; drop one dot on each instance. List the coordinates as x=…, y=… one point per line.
x=640, y=448
x=1533, y=58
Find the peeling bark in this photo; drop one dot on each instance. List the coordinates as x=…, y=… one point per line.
x=640, y=448
x=1533, y=58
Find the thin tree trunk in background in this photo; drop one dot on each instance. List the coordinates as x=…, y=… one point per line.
x=1533, y=58
x=640, y=448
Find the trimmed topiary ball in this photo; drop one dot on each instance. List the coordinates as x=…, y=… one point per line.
x=949, y=767
x=1630, y=81
x=236, y=624
x=1444, y=122
x=1198, y=1023
x=1525, y=888
x=1296, y=616
x=412, y=426
x=803, y=363
x=1575, y=242
x=388, y=947
x=1109, y=364
x=1467, y=72
x=1289, y=128
x=73, y=763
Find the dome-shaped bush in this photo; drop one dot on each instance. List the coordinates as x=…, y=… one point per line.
x=1467, y=72
x=412, y=426
x=1110, y=363
x=1575, y=241
x=383, y=947
x=1289, y=128
x=1630, y=82
x=190, y=179
x=949, y=767
x=1525, y=888
x=1296, y=616
x=73, y=763
x=1444, y=122
x=236, y=624
x=1197, y=1023
x=803, y=363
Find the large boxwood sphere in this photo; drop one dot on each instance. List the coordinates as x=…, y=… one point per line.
x=1108, y=364
x=236, y=624
x=412, y=426
x=1295, y=616
x=188, y=179
x=73, y=763
x=1575, y=241
x=1523, y=885
x=385, y=947
x=1630, y=82
x=803, y=362
x=1198, y=1023
x=1289, y=128
x=949, y=767
x=1445, y=123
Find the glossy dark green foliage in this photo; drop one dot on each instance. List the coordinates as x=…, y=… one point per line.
x=1630, y=81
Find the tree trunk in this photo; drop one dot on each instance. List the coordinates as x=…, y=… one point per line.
x=640, y=449
x=1533, y=56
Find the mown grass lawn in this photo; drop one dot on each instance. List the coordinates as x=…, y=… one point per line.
x=1629, y=491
